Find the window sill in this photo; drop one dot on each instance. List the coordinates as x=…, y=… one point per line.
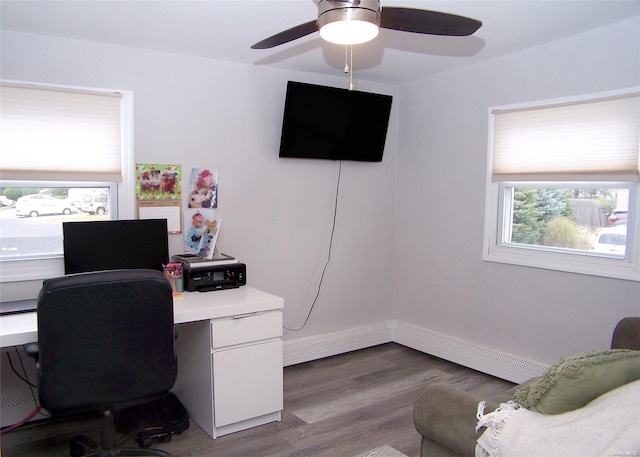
x=586, y=264
x=31, y=270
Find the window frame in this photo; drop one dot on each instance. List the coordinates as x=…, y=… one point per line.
x=557, y=259
x=123, y=205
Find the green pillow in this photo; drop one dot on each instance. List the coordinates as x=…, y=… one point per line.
x=576, y=380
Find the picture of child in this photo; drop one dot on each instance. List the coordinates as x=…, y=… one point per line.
x=193, y=235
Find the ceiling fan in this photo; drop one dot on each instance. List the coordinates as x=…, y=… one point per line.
x=358, y=21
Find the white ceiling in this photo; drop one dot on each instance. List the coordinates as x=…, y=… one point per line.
x=226, y=29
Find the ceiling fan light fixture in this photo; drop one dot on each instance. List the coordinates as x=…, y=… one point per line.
x=357, y=21
x=349, y=25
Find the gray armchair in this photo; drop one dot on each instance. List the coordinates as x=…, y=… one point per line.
x=445, y=416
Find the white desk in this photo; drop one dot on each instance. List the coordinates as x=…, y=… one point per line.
x=229, y=356
x=18, y=329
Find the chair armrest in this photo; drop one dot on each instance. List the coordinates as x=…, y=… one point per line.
x=31, y=349
x=447, y=415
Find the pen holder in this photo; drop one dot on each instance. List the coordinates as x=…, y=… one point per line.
x=173, y=273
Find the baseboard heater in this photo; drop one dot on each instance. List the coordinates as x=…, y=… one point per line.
x=487, y=360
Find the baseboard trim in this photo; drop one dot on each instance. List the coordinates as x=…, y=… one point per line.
x=315, y=347
x=488, y=360
x=16, y=406
x=491, y=361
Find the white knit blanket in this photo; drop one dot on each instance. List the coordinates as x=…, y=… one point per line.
x=607, y=426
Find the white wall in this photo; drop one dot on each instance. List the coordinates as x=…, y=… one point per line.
x=441, y=283
x=276, y=214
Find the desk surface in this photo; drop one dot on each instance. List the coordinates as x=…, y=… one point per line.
x=17, y=329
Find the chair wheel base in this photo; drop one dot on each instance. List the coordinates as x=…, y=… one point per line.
x=109, y=446
x=77, y=450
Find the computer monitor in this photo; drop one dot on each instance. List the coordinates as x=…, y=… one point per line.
x=117, y=244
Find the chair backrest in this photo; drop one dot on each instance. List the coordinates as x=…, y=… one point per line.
x=105, y=340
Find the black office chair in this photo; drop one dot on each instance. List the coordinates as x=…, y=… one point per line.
x=105, y=343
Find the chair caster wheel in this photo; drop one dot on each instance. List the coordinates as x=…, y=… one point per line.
x=145, y=442
x=77, y=449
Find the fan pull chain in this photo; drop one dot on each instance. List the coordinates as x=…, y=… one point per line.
x=351, y=72
x=348, y=63
x=346, y=60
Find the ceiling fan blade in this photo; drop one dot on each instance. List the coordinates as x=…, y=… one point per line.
x=427, y=22
x=288, y=35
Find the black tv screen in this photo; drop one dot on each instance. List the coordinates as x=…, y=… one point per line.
x=112, y=245
x=336, y=124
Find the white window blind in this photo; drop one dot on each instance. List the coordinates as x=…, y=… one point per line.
x=592, y=140
x=48, y=134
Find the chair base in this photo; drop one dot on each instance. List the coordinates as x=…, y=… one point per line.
x=108, y=445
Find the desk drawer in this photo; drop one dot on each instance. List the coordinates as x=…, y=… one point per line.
x=247, y=382
x=246, y=328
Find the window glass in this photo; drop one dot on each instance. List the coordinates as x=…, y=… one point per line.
x=31, y=216
x=590, y=220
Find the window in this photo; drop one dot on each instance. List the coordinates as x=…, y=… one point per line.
x=31, y=221
x=66, y=156
x=562, y=185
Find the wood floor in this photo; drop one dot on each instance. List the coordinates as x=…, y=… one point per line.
x=358, y=404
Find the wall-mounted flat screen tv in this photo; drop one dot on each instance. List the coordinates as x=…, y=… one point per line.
x=336, y=124
x=112, y=245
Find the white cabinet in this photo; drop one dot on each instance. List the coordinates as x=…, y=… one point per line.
x=247, y=382
x=231, y=377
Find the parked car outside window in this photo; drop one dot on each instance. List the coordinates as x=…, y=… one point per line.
x=43, y=204
x=4, y=201
x=95, y=205
x=617, y=216
x=611, y=240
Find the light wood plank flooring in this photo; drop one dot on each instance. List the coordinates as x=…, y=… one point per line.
x=358, y=404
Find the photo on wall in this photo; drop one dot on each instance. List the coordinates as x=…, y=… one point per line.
x=203, y=190
x=158, y=182
x=159, y=193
